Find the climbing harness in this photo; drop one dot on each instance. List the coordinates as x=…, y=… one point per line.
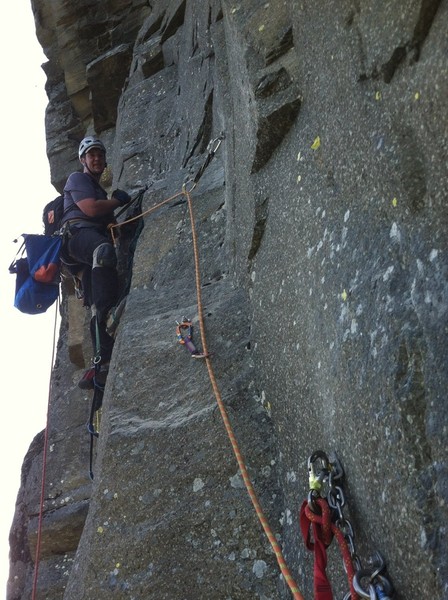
x=322, y=515
x=186, y=339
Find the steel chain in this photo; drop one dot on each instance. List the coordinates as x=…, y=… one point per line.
x=325, y=475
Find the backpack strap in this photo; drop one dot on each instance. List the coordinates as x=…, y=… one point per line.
x=19, y=254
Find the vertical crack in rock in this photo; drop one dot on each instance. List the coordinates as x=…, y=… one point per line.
x=261, y=215
x=428, y=10
x=411, y=391
x=205, y=130
x=106, y=76
x=153, y=27
x=412, y=171
x=389, y=68
x=271, y=131
x=176, y=21
x=152, y=60
x=272, y=83
x=286, y=43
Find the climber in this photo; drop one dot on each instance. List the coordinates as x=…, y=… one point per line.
x=87, y=214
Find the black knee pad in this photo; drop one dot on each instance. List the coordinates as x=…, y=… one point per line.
x=104, y=256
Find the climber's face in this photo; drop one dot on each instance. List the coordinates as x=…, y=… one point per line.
x=94, y=161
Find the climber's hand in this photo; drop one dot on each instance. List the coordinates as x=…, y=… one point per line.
x=122, y=197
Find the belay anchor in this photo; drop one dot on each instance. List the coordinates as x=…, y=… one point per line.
x=321, y=519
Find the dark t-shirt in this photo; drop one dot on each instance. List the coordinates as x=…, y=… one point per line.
x=78, y=187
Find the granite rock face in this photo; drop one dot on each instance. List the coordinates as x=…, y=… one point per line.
x=321, y=232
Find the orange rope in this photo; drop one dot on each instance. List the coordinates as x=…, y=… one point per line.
x=146, y=212
x=44, y=467
x=250, y=489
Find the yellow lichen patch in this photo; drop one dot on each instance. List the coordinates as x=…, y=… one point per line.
x=316, y=144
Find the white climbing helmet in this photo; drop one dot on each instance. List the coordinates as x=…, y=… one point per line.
x=88, y=143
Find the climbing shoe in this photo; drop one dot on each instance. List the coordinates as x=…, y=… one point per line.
x=86, y=381
x=91, y=377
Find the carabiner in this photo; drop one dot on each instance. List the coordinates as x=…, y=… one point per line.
x=185, y=324
x=315, y=456
x=214, y=144
x=379, y=587
x=193, y=185
x=317, y=476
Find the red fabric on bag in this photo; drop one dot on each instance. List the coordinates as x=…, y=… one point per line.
x=47, y=273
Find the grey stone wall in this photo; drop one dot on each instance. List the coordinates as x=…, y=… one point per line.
x=321, y=234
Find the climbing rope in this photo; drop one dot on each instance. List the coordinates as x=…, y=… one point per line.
x=141, y=215
x=322, y=514
x=44, y=463
x=247, y=482
x=191, y=184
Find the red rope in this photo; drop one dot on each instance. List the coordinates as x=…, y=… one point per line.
x=44, y=466
x=323, y=530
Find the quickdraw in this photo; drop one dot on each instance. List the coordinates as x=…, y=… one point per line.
x=184, y=333
x=212, y=148
x=322, y=514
